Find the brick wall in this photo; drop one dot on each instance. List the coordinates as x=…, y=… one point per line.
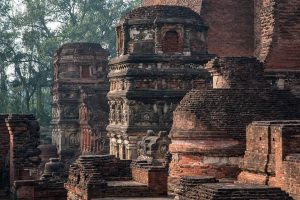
x=230, y=26
x=272, y=156
x=269, y=29
x=38, y=190
x=156, y=178
x=140, y=175
x=291, y=174
x=24, y=140
x=277, y=38
x=4, y=148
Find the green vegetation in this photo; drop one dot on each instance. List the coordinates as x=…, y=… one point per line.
x=30, y=32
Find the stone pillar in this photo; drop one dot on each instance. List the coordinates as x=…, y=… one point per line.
x=111, y=147
x=187, y=44
x=132, y=148
x=158, y=45
x=121, y=149
x=24, y=140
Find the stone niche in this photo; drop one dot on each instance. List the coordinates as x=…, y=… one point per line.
x=208, y=133
x=160, y=58
x=76, y=65
x=266, y=29
x=231, y=23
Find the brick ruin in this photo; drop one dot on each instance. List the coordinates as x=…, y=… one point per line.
x=272, y=156
x=19, y=153
x=277, y=41
x=208, y=133
x=231, y=24
x=266, y=29
x=93, y=117
x=4, y=153
x=160, y=53
x=271, y=162
x=272, y=38
x=99, y=176
x=209, y=188
x=50, y=186
x=165, y=121
x=77, y=65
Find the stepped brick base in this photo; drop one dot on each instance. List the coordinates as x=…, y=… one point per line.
x=102, y=176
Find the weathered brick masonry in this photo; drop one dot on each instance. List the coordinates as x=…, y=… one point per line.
x=94, y=176
x=266, y=29
x=24, y=140
x=208, y=133
x=230, y=26
x=231, y=23
x=76, y=65
x=4, y=152
x=50, y=186
x=93, y=116
x=151, y=74
x=272, y=155
x=277, y=38
x=208, y=189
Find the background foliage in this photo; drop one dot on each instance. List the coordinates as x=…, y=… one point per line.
x=31, y=31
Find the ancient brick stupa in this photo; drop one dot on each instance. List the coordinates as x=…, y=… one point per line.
x=160, y=54
x=76, y=65
x=208, y=133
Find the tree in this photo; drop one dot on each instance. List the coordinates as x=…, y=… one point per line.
x=33, y=34
x=6, y=39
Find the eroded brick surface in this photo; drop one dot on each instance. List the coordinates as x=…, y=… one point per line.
x=50, y=186
x=93, y=117
x=208, y=133
x=272, y=155
x=76, y=65
x=107, y=176
x=160, y=54
x=277, y=33
x=4, y=152
x=24, y=140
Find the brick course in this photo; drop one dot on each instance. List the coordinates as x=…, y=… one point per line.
x=277, y=38
x=208, y=134
x=24, y=140
x=272, y=155
x=267, y=29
